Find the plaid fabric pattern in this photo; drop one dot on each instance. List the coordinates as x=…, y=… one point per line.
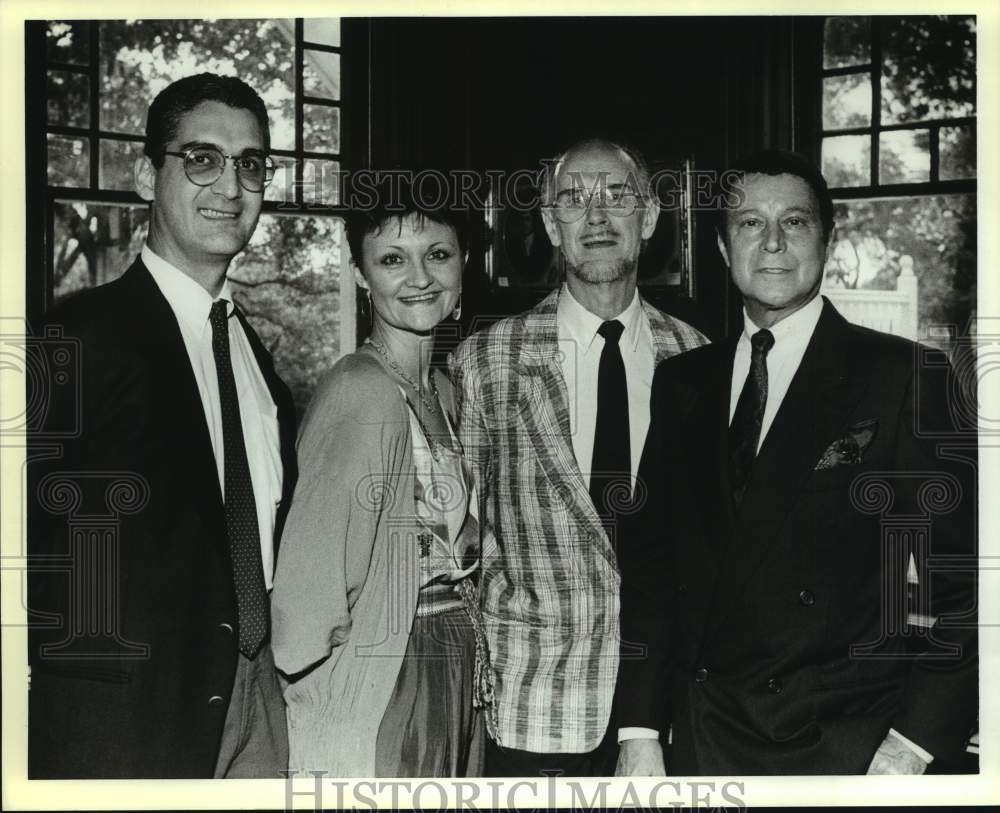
x=549, y=575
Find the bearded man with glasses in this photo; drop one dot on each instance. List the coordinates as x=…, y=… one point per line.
x=554, y=409
x=179, y=405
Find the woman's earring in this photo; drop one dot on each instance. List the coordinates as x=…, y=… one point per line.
x=457, y=313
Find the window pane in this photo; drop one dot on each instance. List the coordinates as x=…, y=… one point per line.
x=288, y=280
x=846, y=41
x=958, y=153
x=320, y=182
x=929, y=68
x=904, y=157
x=68, y=99
x=141, y=57
x=94, y=243
x=847, y=160
x=925, y=244
x=322, y=30
x=117, y=162
x=321, y=128
x=321, y=75
x=282, y=188
x=847, y=101
x=68, y=41
x=289, y=283
x=68, y=161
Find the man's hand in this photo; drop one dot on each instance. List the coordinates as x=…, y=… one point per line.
x=640, y=757
x=895, y=757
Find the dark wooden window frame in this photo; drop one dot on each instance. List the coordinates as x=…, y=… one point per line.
x=40, y=198
x=813, y=41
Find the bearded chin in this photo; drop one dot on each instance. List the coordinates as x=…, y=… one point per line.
x=598, y=271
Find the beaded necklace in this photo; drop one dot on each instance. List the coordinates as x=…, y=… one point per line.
x=432, y=406
x=437, y=448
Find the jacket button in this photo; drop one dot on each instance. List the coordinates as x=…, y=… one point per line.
x=701, y=675
x=226, y=628
x=775, y=686
x=806, y=598
x=215, y=701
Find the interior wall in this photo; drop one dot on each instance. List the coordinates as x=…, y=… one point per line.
x=500, y=94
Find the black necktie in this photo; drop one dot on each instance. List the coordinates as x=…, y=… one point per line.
x=611, y=469
x=744, y=431
x=241, y=508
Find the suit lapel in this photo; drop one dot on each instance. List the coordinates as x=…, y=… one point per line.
x=666, y=340
x=158, y=330
x=722, y=386
x=708, y=451
x=548, y=416
x=542, y=370
x=708, y=431
x=815, y=410
x=660, y=329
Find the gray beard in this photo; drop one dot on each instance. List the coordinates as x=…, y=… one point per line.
x=598, y=272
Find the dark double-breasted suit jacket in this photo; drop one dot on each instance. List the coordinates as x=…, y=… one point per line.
x=776, y=638
x=133, y=636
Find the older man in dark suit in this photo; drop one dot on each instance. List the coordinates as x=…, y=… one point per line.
x=790, y=475
x=149, y=651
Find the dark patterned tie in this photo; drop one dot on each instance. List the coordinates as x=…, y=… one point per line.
x=744, y=431
x=611, y=467
x=241, y=508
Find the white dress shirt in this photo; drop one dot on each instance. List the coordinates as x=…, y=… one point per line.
x=791, y=337
x=191, y=304
x=580, y=346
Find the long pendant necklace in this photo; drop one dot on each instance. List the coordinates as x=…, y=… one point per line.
x=432, y=406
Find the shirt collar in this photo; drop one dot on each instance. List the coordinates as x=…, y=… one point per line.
x=802, y=323
x=580, y=325
x=187, y=299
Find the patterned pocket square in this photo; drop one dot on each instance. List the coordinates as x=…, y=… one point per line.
x=847, y=451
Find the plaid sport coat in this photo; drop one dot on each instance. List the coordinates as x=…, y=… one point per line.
x=549, y=573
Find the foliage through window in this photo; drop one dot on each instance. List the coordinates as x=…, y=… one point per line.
x=899, y=152
x=101, y=77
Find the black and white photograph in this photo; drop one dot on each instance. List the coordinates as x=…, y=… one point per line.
x=494, y=410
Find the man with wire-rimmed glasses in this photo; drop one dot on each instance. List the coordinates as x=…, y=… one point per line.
x=179, y=398
x=554, y=410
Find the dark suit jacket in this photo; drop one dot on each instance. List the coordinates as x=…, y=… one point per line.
x=127, y=518
x=776, y=640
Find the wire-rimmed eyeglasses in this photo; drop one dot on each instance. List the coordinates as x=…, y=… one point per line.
x=572, y=204
x=204, y=165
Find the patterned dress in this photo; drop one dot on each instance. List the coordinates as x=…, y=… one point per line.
x=375, y=624
x=430, y=727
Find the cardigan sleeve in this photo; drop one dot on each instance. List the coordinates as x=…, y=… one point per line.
x=352, y=452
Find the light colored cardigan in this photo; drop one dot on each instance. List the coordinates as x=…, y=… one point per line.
x=347, y=576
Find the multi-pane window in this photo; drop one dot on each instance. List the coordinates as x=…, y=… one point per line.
x=899, y=152
x=101, y=77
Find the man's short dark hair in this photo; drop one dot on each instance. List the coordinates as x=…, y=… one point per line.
x=392, y=196
x=779, y=162
x=181, y=97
